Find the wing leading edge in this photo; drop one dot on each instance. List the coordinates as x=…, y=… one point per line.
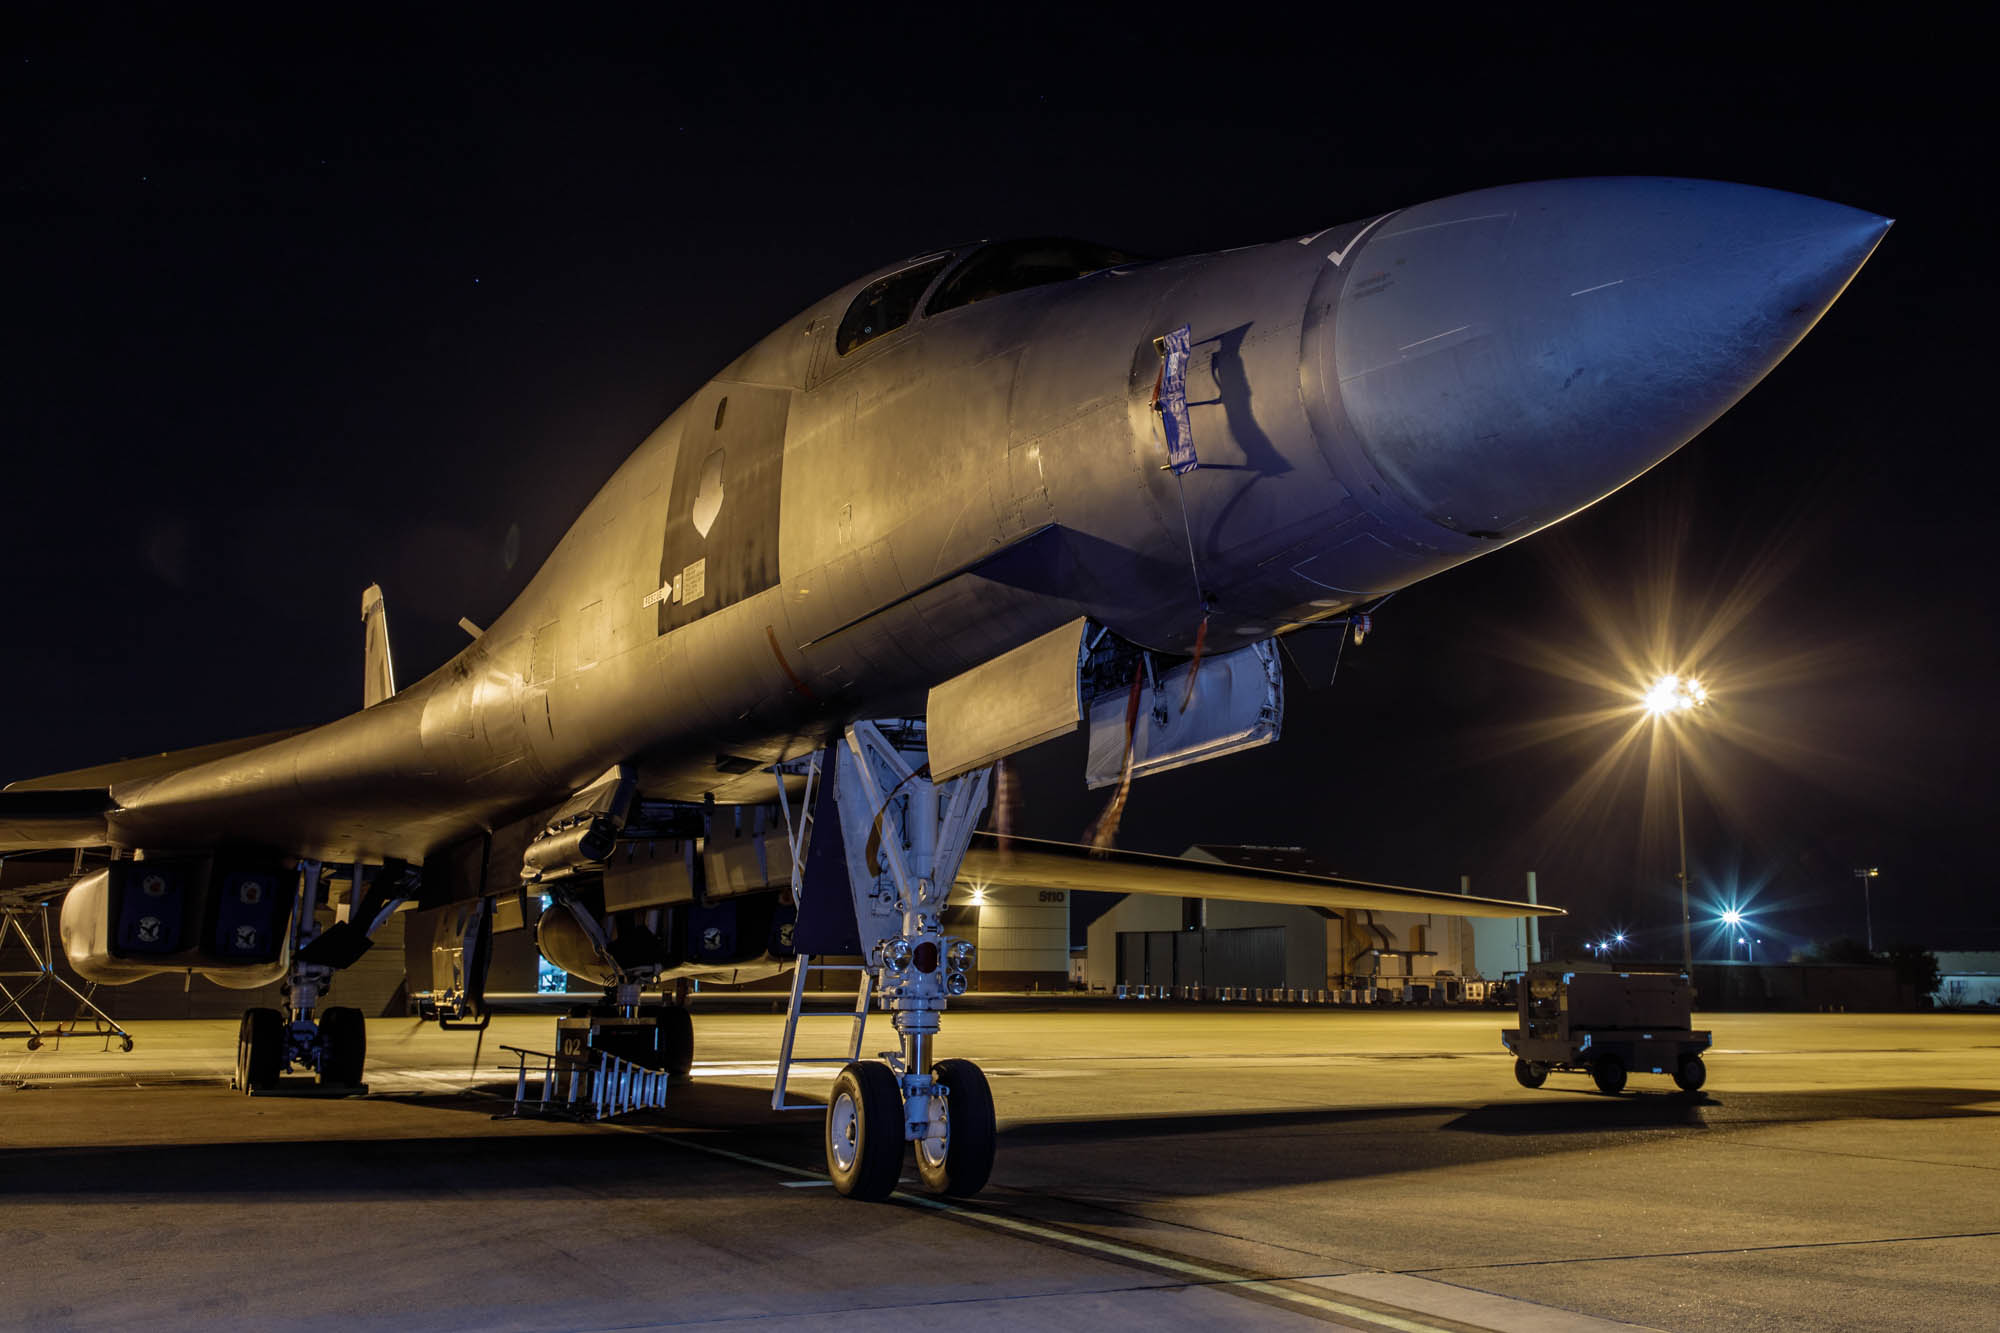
x=1032, y=862
x=36, y=820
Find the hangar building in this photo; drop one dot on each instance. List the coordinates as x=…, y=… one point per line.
x=1145, y=941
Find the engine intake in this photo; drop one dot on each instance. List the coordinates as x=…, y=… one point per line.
x=137, y=919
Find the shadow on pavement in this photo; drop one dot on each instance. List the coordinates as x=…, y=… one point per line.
x=1598, y=1114
x=472, y=1154
x=1724, y=1110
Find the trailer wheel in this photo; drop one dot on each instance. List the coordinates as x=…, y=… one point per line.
x=1608, y=1072
x=1691, y=1074
x=1530, y=1073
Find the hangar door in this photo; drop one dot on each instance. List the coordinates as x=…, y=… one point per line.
x=1247, y=956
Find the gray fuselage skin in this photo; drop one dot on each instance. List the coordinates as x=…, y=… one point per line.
x=1370, y=405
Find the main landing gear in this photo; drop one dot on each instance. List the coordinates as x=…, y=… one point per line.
x=271, y=1043
x=904, y=837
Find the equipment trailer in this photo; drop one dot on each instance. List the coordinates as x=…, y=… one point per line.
x=1592, y=1019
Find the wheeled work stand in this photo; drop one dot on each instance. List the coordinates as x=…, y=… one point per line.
x=28, y=923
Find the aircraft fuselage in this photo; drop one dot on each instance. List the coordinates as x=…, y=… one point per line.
x=820, y=534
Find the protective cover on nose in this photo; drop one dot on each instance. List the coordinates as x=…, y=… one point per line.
x=1505, y=357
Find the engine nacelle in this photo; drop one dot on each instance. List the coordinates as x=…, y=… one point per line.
x=138, y=919
x=687, y=939
x=564, y=942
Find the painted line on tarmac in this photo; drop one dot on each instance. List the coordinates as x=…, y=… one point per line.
x=1703, y=1254
x=1200, y=1274
x=1207, y=1276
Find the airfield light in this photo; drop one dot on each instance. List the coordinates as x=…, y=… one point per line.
x=1672, y=693
x=1867, y=876
x=1732, y=918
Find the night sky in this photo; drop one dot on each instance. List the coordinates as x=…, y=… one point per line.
x=293, y=309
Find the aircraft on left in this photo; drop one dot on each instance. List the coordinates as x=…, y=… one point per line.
x=748, y=712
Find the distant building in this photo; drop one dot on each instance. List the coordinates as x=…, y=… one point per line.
x=1968, y=980
x=1178, y=942
x=1023, y=939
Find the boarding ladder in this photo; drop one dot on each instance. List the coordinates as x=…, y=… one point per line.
x=596, y=1088
x=798, y=834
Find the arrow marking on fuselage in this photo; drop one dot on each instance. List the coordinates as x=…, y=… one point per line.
x=1345, y=250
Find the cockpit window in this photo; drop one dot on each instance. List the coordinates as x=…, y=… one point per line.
x=1010, y=266
x=886, y=304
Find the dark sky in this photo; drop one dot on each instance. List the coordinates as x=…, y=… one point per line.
x=292, y=308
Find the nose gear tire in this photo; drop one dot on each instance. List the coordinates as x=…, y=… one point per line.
x=967, y=1161
x=864, y=1131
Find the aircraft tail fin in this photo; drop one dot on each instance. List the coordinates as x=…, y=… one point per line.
x=378, y=671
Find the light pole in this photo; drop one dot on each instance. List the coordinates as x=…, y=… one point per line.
x=1666, y=696
x=1867, y=909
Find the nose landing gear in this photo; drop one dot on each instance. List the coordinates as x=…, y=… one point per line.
x=903, y=837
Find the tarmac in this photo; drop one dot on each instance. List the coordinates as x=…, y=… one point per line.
x=1158, y=1165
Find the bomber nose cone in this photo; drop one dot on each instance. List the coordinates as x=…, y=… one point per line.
x=1505, y=357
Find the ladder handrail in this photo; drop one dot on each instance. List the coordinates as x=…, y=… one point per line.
x=798, y=833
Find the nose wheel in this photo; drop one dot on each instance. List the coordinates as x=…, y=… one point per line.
x=958, y=1161
x=864, y=1131
x=865, y=1128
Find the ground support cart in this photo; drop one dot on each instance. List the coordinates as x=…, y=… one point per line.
x=1607, y=1024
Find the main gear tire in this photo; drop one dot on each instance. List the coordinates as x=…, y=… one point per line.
x=961, y=1163
x=343, y=1047
x=676, y=1040
x=260, y=1050
x=864, y=1131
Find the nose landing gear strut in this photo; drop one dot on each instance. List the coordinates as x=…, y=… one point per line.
x=904, y=837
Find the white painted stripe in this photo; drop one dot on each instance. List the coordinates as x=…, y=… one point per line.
x=1585, y=291
x=1466, y=1305
x=1448, y=222
x=1215, y=1277
x=1433, y=338
x=1199, y=1272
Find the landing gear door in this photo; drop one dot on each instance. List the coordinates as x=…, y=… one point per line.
x=1020, y=698
x=459, y=957
x=1199, y=710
